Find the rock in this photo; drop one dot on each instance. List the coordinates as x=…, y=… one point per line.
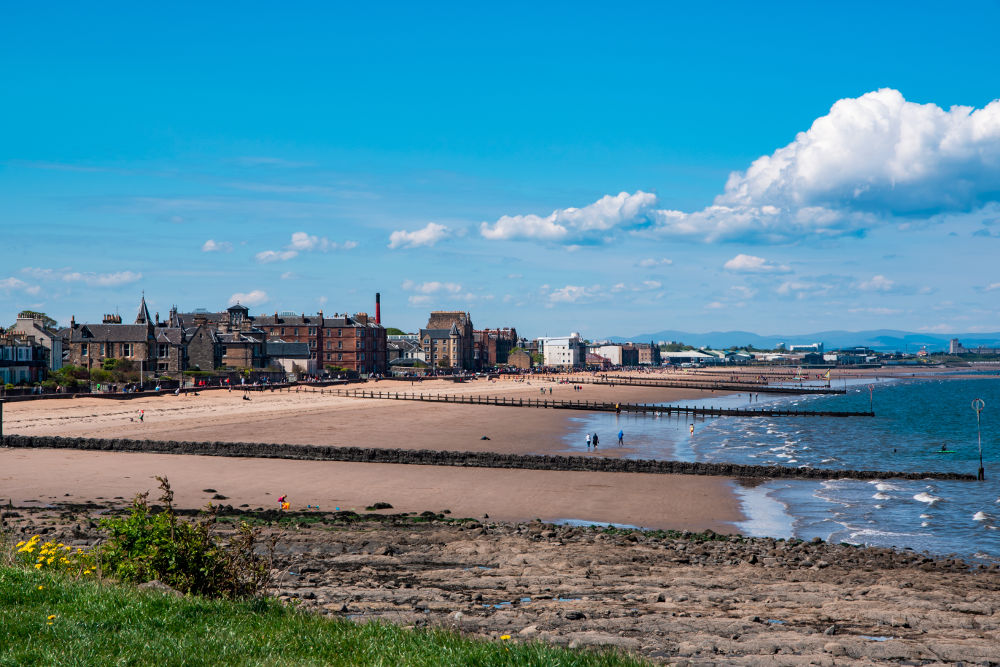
x=157, y=585
x=574, y=615
x=529, y=631
x=833, y=648
x=832, y=630
x=458, y=616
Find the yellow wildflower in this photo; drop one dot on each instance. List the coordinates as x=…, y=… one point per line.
x=505, y=637
x=40, y=587
x=51, y=616
x=21, y=543
x=38, y=566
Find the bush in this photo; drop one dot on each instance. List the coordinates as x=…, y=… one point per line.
x=184, y=555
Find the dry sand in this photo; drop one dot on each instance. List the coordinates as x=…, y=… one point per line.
x=326, y=419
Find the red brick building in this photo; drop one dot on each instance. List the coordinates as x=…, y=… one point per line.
x=352, y=342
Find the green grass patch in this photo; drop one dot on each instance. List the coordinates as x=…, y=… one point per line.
x=98, y=624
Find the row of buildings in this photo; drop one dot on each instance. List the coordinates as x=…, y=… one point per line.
x=198, y=341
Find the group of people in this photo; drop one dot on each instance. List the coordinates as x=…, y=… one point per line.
x=593, y=439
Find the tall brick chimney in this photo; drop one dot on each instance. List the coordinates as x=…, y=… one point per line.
x=378, y=308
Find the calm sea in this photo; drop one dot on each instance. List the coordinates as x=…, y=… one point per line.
x=914, y=418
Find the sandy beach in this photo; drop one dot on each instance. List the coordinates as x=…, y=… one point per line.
x=659, y=501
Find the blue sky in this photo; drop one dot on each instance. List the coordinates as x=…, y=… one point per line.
x=778, y=168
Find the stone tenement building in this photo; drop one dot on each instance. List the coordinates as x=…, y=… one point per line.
x=30, y=323
x=493, y=346
x=448, y=341
x=150, y=344
x=353, y=342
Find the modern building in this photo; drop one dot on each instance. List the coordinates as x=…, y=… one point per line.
x=563, y=351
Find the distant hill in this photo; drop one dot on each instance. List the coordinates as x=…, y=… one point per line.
x=883, y=340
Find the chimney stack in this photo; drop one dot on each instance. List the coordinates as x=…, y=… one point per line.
x=378, y=308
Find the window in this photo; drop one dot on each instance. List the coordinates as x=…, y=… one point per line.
x=361, y=356
x=340, y=332
x=312, y=343
x=161, y=350
x=83, y=350
x=312, y=331
x=126, y=349
x=340, y=344
x=328, y=345
x=282, y=331
x=361, y=344
x=102, y=350
x=340, y=356
x=296, y=332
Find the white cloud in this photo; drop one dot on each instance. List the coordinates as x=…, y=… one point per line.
x=217, y=246
x=88, y=277
x=877, y=283
x=268, y=256
x=574, y=294
x=12, y=283
x=876, y=311
x=753, y=264
x=288, y=275
x=431, y=287
x=715, y=305
x=652, y=284
x=869, y=160
x=622, y=211
x=743, y=291
x=419, y=300
x=254, y=298
x=303, y=242
x=803, y=288
x=649, y=263
x=426, y=236
x=102, y=279
x=991, y=287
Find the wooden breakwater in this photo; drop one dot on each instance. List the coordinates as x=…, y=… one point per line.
x=589, y=406
x=594, y=463
x=709, y=385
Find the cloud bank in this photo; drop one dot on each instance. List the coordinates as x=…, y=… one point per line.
x=426, y=236
x=872, y=159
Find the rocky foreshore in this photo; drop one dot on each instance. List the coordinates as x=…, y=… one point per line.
x=697, y=598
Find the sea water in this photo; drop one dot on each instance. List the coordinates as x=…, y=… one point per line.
x=914, y=418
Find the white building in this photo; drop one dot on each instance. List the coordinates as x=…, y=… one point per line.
x=566, y=351
x=612, y=353
x=29, y=325
x=813, y=347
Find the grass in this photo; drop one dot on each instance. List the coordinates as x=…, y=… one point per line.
x=98, y=623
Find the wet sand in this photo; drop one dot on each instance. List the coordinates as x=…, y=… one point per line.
x=680, y=502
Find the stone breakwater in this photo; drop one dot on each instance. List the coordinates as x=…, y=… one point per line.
x=460, y=459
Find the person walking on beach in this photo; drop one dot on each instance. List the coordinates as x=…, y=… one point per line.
x=621, y=437
x=588, y=441
x=142, y=413
x=594, y=440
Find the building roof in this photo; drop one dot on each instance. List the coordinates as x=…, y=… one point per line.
x=435, y=333
x=282, y=350
x=112, y=333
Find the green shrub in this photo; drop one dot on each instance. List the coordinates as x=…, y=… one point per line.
x=148, y=545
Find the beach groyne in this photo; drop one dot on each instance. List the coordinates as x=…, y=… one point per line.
x=593, y=463
x=590, y=406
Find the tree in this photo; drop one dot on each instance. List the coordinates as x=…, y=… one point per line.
x=393, y=331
